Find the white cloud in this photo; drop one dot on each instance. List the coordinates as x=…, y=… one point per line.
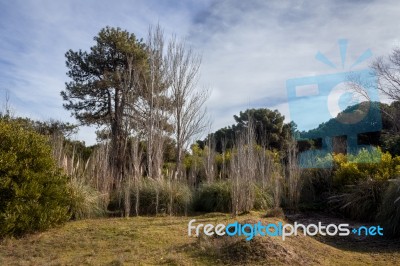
x=249, y=48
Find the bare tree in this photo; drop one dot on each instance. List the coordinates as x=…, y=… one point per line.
x=243, y=166
x=158, y=104
x=153, y=107
x=388, y=72
x=187, y=102
x=7, y=110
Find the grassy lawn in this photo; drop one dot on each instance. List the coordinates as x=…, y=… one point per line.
x=164, y=240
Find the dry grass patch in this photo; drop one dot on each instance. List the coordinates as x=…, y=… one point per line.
x=164, y=241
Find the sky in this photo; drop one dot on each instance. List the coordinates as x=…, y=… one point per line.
x=250, y=49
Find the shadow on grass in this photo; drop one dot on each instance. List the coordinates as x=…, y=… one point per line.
x=367, y=244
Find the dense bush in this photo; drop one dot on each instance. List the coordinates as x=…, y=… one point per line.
x=389, y=211
x=85, y=201
x=361, y=201
x=263, y=199
x=217, y=197
x=33, y=191
x=391, y=143
x=214, y=197
x=317, y=187
x=361, y=186
x=161, y=197
x=366, y=164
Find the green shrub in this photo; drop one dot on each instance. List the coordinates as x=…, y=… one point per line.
x=361, y=201
x=391, y=143
x=33, y=191
x=161, y=197
x=264, y=199
x=389, y=211
x=366, y=164
x=213, y=197
x=85, y=201
x=317, y=187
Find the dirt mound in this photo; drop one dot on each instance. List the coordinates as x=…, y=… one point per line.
x=260, y=250
x=257, y=250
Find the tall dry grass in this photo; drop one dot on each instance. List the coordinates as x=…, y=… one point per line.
x=89, y=181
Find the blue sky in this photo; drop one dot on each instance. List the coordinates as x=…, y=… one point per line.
x=249, y=48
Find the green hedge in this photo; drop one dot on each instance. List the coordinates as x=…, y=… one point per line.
x=213, y=197
x=33, y=191
x=161, y=197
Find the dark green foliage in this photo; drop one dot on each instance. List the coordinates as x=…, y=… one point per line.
x=316, y=188
x=388, y=138
x=270, y=130
x=214, y=197
x=54, y=127
x=33, y=192
x=361, y=201
x=95, y=93
x=47, y=128
x=389, y=212
x=103, y=90
x=391, y=143
x=78, y=149
x=223, y=138
x=334, y=127
x=391, y=117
